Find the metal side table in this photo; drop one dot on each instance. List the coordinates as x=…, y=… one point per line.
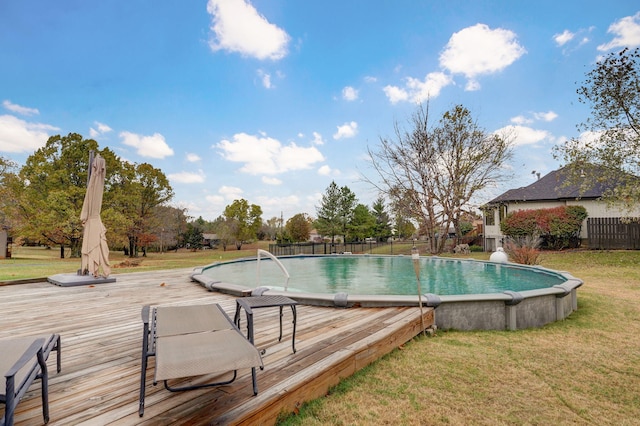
x=256, y=302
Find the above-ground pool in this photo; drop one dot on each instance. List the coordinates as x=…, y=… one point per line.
x=468, y=294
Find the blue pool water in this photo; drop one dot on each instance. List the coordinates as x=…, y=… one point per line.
x=384, y=275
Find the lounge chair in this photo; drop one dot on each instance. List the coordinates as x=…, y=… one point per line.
x=189, y=341
x=23, y=360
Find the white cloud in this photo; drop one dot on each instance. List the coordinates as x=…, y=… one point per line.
x=265, y=79
x=524, y=135
x=537, y=116
x=417, y=90
x=324, y=170
x=479, y=50
x=271, y=180
x=421, y=90
x=521, y=119
x=101, y=129
x=265, y=155
x=349, y=93
x=147, y=146
x=395, y=94
x=626, y=31
x=17, y=135
x=215, y=199
x=187, y=177
x=370, y=79
x=289, y=203
x=347, y=130
x=238, y=27
x=317, y=139
x=230, y=192
x=18, y=109
x=193, y=158
x=545, y=116
x=563, y=38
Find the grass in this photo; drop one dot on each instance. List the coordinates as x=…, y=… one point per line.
x=39, y=262
x=583, y=370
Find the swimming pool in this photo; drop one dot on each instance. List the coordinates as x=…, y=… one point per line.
x=467, y=293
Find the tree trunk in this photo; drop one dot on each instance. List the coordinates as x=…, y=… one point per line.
x=76, y=248
x=61, y=251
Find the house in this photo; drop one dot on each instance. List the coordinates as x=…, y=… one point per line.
x=552, y=190
x=210, y=240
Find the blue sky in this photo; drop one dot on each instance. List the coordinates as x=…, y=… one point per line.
x=271, y=100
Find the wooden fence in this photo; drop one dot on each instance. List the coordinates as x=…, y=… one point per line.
x=605, y=233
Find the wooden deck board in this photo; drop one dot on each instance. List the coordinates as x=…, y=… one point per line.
x=101, y=332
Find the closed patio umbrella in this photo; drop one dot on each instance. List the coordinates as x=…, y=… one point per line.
x=95, y=251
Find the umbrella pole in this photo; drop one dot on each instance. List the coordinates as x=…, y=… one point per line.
x=415, y=256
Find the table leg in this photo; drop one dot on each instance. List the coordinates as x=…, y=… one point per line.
x=293, y=338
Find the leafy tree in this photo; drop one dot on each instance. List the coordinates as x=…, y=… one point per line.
x=244, y=220
x=433, y=174
x=140, y=189
x=224, y=227
x=298, y=227
x=167, y=223
x=9, y=184
x=335, y=210
x=362, y=224
x=52, y=187
x=611, y=135
x=272, y=227
x=382, y=229
x=404, y=227
x=192, y=237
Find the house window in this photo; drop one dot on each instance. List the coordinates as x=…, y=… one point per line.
x=490, y=217
x=503, y=212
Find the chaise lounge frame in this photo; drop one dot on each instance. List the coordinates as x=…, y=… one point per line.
x=193, y=340
x=22, y=361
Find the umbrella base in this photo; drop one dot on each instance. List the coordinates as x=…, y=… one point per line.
x=70, y=280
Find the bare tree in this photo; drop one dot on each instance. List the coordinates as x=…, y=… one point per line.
x=432, y=175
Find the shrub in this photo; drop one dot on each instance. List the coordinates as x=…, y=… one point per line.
x=559, y=227
x=523, y=250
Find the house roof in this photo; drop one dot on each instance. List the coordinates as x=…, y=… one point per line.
x=553, y=186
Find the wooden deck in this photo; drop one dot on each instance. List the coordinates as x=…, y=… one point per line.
x=101, y=332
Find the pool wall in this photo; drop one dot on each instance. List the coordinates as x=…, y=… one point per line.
x=495, y=311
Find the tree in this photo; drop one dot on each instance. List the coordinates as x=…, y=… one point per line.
x=335, y=210
x=611, y=135
x=52, y=187
x=139, y=190
x=223, y=227
x=9, y=184
x=404, y=227
x=244, y=220
x=362, y=224
x=298, y=227
x=271, y=228
x=167, y=223
x=432, y=175
x=192, y=237
x=382, y=229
